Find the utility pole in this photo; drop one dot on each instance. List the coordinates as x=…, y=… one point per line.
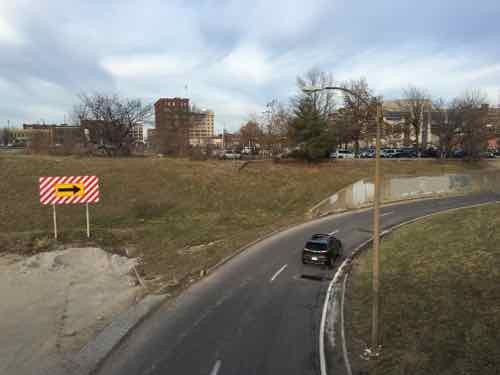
x=376, y=236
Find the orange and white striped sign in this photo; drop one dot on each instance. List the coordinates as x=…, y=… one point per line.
x=69, y=189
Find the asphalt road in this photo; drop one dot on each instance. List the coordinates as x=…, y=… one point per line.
x=260, y=312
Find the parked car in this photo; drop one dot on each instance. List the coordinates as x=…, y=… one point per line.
x=368, y=153
x=219, y=154
x=231, y=155
x=389, y=153
x=322, y=249
x=430, y=153
x=488, y=154
x=342, y=154
x=497, y=153
x=407, y=152
x=458, y=153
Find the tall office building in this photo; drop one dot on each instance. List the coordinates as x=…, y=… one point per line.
x=178, y=126
x=202, y=129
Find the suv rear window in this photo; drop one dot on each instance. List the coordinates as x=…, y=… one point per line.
x=316, y=246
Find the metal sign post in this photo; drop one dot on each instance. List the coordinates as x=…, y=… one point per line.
x=88, y=219
x=55, y=221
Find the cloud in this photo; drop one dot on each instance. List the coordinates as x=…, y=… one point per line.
x=8, y=33
x=131, y=66
x=235, y=56
x=442, y=73
x=247, y=63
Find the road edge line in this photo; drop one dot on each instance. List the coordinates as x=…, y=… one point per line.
x=342, y=330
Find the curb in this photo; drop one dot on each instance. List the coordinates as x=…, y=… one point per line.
x=87, y=360
x=96, y=351
x=348, y=261
x=342, y=330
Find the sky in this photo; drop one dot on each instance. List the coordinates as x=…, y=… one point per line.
x=235, y=56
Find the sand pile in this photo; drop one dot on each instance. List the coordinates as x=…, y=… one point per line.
x=54, y=302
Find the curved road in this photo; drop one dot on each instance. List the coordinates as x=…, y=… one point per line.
x=260, y=312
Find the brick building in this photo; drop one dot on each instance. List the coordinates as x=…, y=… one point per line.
x=21, y=136
x=178, y=126
x=172, y=124
x=56, y=135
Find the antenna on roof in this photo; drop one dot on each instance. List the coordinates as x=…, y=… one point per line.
x=186, y=88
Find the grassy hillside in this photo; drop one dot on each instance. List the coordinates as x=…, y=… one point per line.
x=161, y=209
x=440, y=301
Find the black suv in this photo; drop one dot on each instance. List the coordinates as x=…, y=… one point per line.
x=322, y=249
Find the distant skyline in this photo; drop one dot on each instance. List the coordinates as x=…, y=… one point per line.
x=236, y=56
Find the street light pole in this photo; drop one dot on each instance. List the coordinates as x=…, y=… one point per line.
x=376, y=215
x=376, y=236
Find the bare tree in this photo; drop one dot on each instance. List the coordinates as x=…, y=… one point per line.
x=415, y=102
x=340, y=123
x=250, y=134
x=112, y=120
x=276, y=126
x=360, y=115
x=323, y=102
x=6, y=136
x=446, y=123
x=472, y=112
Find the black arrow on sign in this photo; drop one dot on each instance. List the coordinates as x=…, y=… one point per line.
x=75, y=189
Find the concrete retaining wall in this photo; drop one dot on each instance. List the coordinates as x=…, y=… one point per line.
x=400, y=188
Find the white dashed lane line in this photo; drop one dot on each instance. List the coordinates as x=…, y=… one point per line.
x=216, y=368
x=278, y=272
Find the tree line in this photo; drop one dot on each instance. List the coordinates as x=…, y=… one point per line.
x=313, y=124
x=308, y=125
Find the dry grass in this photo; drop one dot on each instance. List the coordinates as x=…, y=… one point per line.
x=440, y=301
x=158, y=207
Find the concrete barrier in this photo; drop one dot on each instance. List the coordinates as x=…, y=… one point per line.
x=400, y=188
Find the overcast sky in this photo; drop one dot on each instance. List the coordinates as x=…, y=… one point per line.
x=235, y=56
